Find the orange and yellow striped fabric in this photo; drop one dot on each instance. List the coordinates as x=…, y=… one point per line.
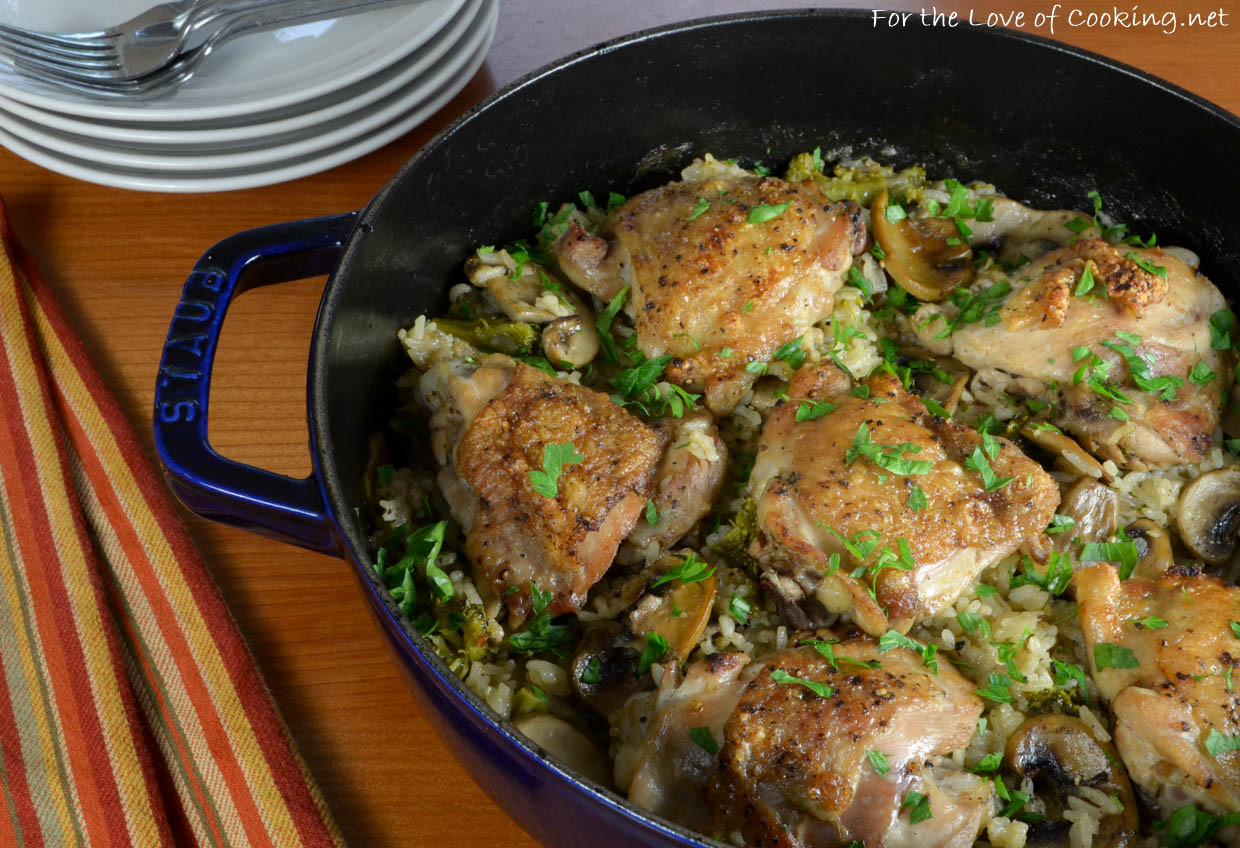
x=131, y=712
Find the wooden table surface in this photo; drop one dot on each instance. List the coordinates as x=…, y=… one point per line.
x=117, y=260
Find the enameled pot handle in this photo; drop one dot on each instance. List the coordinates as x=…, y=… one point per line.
x=284, y=508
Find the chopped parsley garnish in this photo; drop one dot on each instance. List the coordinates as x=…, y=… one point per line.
x=540, y=634
x=985, y=591
x=699, y=208
x=1221, y=325
x=978, y=462
x=1190, y=827
x=704, y=739
x=990, y=762
x=1201, y=374
x=1217, y=743
x=1235, y=628
x=652, y=514
x=888, y=457
x=1108, y=655
x=1055, y=581
x=739, y=608
x=810, y=410
x=1147, y=265
x=917, y=499
x=614, y=200
x=441, y=584
x=895, y=213
x=878, y=761
x=791, y=353
x=982, y=306
x=1060, y=524
x=822, y=690
x=997, y=689
x=757, y=368
x=555, y=457
x=973, y=624
x=1085, y=284
x=921, y=807
x=1118, y=414
x=593, y=672
x=857, y=280
x=1151, y=623
x=691, y=570
x=1067, y=672
x=1125, y=344
x=656, y=650
x=893, y=639
x=935, y=408
x=607, y=342
x=764, y=212
x=1124, y=552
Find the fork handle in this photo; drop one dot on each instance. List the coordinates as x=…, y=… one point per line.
x=204, y=12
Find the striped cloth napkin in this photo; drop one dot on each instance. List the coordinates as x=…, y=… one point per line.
x=131, y=712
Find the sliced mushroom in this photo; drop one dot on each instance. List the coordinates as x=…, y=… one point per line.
x=1209, y=515
x=678, y=613
x=926, y=256
x=567, y=744
x=1069, y=455
x=1061, y=754
x=534, y=295
x=604, y=669
x=1095, y=509
x=571, y=340
x=1153, y=548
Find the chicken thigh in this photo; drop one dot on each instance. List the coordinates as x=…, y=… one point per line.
x=720, y=273
x=1163, y=653
x=836, y=741
x=1120, y=341
x=879, y=509
x=546, y=477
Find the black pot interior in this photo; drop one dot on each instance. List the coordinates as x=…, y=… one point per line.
x=1044, y=123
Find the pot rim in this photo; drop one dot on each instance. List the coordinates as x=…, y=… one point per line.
x=354, y=545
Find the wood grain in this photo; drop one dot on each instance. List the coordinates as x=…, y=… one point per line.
x=117, y=260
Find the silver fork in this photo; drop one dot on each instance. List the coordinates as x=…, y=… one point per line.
x=160, y=48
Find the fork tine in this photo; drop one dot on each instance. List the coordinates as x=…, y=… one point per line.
x=104, y=67
x=64, y=41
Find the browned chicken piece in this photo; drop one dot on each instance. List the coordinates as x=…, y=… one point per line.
x=1177, y=716
x=805, y=769
x=490, y=429
x=708, y=287
x=813, y=485
x=1160, y=319
x=687, y=482
x=670, y=769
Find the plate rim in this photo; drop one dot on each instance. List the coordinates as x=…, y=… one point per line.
x=262, y=176
x=394, y=77
x=311, y=139
x=54, y=101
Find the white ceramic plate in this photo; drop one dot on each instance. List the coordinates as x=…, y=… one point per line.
x=281, y=147
x=252, y=177
x=297, y=117
x=257, y=73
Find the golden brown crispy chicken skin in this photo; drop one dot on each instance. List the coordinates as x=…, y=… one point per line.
x=711, y=289
x=565, y=543
x=794, y=769
x=1178, y=693
x=804, y=488
x=1044, y=324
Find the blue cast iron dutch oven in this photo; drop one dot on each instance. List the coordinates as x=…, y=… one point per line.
x=1045, y=122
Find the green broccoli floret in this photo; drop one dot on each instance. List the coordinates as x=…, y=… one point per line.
x=861, y=183
x=492, y=334
x=733, y=548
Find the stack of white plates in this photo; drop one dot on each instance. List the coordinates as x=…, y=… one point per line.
x=264, y=108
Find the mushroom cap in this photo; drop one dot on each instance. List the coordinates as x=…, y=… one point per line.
x=927, y=256
x=1208, y=516
x=1153, y=543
